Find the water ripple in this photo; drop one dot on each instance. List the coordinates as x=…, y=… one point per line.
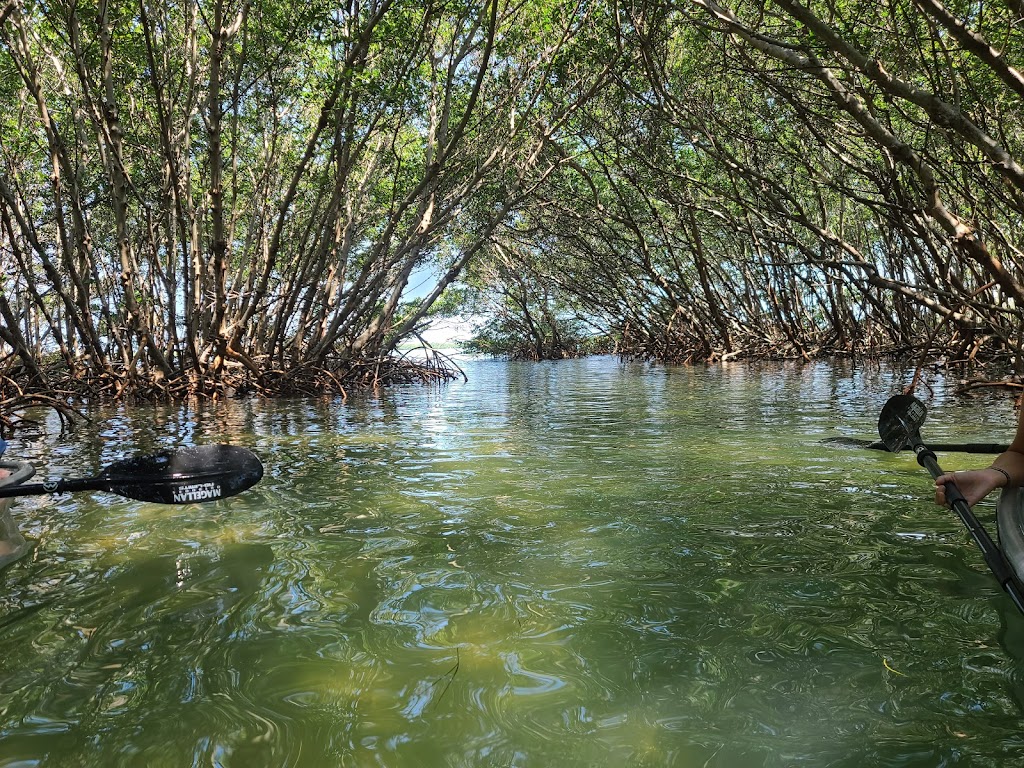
x=576, y=563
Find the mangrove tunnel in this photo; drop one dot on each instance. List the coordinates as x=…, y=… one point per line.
x=222, y=197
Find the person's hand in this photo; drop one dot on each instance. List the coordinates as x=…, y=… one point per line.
x=974, y=484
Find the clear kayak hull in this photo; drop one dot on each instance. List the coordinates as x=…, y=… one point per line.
x=13, y=545
x=1010, y=522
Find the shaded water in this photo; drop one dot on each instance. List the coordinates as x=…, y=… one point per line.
x=581, y=563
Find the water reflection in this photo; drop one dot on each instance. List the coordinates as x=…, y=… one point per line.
x=582, y=562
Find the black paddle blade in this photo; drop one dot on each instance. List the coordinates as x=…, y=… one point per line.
x=186, y=475
x=900, y=422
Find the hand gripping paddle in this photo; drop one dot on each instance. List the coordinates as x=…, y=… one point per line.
x=182, y=476
x=899, y=427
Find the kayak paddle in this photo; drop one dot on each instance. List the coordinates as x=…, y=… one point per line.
x=182, y=476
x=899, y=427
x=877, y=445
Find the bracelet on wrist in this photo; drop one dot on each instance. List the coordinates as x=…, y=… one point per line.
x=1002, y=472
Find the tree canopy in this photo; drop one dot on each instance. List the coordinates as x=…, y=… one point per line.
x=226, y=195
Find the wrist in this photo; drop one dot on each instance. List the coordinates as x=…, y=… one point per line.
x=1004, y=476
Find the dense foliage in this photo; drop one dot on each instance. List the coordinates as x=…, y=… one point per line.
x=220, y=194
x=791, y=180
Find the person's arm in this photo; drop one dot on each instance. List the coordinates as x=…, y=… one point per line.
x=976, y=484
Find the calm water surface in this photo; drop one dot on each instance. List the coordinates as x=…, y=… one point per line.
x=570, y=564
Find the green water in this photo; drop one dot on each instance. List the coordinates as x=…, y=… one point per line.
x=572, y=564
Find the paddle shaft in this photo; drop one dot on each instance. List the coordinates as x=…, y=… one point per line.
x=58, y=486
x=947, y=447
x=994, y=556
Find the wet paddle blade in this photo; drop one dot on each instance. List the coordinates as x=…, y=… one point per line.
x=900, y=422
x=186, y=475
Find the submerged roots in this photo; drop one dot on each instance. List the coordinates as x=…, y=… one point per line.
x=17, y=406
x=59, y=389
